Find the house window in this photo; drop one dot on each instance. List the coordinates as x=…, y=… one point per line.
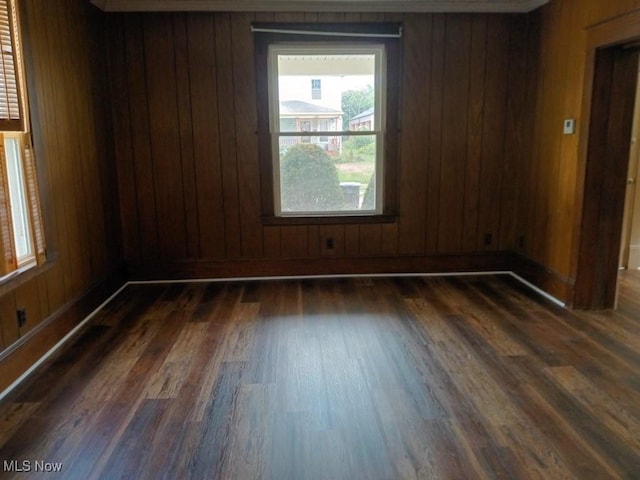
x=21, y=235
x=336, y=173
x=316, y=89
x=305, y=126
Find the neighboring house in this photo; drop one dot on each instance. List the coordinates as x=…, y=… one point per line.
x=299, y=116
x=362, y=121
x=324, y=90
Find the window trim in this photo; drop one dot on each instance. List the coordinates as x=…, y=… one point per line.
x=320, y=48
x=10, y=264
x=26, y=213
x=389, y=166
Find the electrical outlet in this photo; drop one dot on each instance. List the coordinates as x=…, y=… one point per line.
x=488, y=238
x=21, y=314
x=329, y=243
x=521, y=241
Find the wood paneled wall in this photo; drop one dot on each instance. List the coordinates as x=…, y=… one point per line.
x=482, y=155
x=601, y=10
x=186, y=145
x=71, y=124
x=550, y=211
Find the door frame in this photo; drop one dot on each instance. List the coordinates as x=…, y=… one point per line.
x=631, y=220
x=610, y=78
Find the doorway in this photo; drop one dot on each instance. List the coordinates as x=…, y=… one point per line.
x=630, y=248
x=615, y=81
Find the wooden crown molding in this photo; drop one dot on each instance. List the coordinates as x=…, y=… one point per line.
x=408, y=6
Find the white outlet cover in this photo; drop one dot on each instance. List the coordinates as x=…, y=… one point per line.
x=569, y=126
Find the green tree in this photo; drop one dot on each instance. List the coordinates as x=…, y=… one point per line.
x=355, y=102
x=309, y=180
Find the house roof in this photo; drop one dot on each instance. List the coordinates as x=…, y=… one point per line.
x=298, y=107
x=366, y=113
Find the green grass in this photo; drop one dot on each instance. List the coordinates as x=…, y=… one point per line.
x=355, y=172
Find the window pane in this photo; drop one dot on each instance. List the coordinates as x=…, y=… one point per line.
x=336, y=175
x=319, y=95
x=336, y=88
x=22, y=237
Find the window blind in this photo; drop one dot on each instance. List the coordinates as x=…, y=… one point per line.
x=10, y=117
x=33, y=199
x=19, y=182
x=337, y=30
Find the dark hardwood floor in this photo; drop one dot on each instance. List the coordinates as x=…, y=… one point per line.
x=458, y=378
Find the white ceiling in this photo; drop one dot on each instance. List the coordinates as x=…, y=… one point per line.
x=491, y=6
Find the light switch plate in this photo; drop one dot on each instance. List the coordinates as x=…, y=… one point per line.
x=569, y=126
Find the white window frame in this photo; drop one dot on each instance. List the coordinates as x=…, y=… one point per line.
x=380, y=88
x=20, y=211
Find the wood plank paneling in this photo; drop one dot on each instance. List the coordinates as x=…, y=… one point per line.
x=43, y=121
x=600, y=11
x=336, y=234
x=551, y=147
x=159, y=55
x=206, y=134
x=474, y=132
x=370, y=240
x=271, y=237
x=452, y=109
x=352, y=240
x=140, y=131
x=184, y=120
x=493, y=133
x=550, y=212
x=246, y=125
x=124, y=153
x=518, y=133
x=184, y=126
x=27, y=297
x=313, y=237
x=10, y=330
x=568, y=171
x=61, y=170
x=185, y=107
x=87, y=201
x=67, y=72
x=293, y=241
x=437, y=81
x=455, y=95
x=413, y=146
x=226, y=118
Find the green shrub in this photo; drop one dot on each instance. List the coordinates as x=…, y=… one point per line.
x=309, y=180
x=358, y=149
x=361, y=141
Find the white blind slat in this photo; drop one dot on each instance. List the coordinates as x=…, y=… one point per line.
x=9, y=89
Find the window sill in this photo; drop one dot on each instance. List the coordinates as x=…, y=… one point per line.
x=22, y=275
x=334, y=220
x=19, y=271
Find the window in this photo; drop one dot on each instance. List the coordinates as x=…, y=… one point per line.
x=316, y=89
x=21, y=235
x=314, y=165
